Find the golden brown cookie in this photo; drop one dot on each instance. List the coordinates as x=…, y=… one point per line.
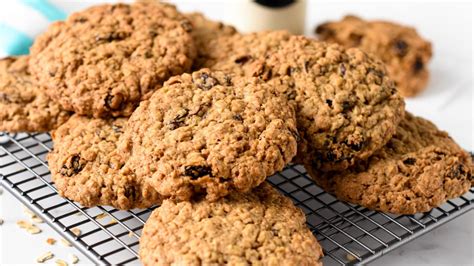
x=346, y=105
x=85, y=165
x=205, y=31
x=102, y=61
x=418, y=169
x=261, y=227
x=210, y=133
x=401, y=48
x=24, y=106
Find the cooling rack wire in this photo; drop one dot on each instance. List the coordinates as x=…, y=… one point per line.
x=348, y=233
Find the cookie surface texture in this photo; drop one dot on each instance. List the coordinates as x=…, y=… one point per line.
x=257, y=228
x=205, y=32
x=210, y=133
x=346, y=106
x=420, y=168
x=85, y=165
x=102, y=61
x=401, y=48
x=24, y=106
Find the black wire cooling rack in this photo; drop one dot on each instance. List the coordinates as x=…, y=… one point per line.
x=349, y=234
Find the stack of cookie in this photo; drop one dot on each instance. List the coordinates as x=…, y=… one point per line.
x=148, y=106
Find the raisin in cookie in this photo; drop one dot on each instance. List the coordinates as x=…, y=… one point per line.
x=420, y=168
x=205, y=31
x=346, y=106
x=102, y=61
x=85, y=165
x=237, y=53
x=24, y=106
x=401, y=48
x=210, y=133
x=257, y=228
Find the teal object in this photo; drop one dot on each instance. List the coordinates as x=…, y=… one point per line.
x=13, y=41
x=48, y=10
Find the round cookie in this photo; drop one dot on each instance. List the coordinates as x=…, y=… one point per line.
x=418, y=169
x=24, y=106
x=405, y=53
x=237, y=53
x=102, y=61
x=257, y=228
x=210, y=133
x=204, y=32
x=85, y=165
x=346, y=106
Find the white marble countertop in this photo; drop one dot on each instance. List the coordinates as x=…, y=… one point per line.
x=448, y=102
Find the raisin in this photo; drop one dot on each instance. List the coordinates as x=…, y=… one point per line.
x=329, y=102
x=409, y=161
x=401, y=47
x=73, y=167
x=148, y=54
x=418, y=66
x=342, y=68
x=242, y=59
x=112, y=36
x=204, y=81
x=197, y=171
x=178, y=120
x=307, y=66
x=238, y=117
x=458, y=172
x=356, y=146
x=113, y=101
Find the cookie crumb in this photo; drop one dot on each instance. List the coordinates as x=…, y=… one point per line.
x=33, y=230
x=29, y=227
x=76, y=231
x=113, y=221
x=350, y=257
x=60, y=262
x=46, y=256
x=65, y=242
x=22, y=224
x=37, y=220
x=130, y=234
x=51, y=241
x=101, y=216
x=73, y=259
